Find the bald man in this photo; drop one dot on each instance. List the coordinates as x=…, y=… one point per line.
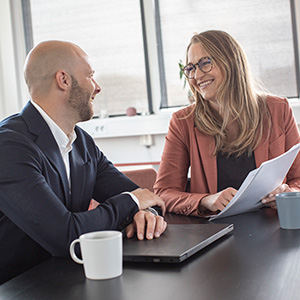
x=51, y=169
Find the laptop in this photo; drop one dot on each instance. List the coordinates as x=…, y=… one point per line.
x=176, y=244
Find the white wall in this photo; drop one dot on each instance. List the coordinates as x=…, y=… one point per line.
x=138, y=139
x=129, y=150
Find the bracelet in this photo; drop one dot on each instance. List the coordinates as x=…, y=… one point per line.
x=152, y=210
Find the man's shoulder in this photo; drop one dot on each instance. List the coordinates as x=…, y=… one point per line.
x=14, y=130
x=17, y=122
x=10, y=121
x=13, y=124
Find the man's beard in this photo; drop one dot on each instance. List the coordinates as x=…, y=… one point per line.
x=79, y=100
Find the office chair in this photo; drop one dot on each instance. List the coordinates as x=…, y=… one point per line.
x=145, y=178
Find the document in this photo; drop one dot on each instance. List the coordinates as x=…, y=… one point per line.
x=259, y=183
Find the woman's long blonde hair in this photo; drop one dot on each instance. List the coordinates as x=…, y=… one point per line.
x=240, y=97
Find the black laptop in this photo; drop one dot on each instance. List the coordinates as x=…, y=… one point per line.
x=177, y=243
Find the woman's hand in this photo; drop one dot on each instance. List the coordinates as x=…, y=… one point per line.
x=270, y=200
x=218, y=201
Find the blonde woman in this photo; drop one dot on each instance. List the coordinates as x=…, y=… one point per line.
x=231, y=129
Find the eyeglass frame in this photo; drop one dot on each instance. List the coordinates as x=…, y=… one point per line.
x=198, y=64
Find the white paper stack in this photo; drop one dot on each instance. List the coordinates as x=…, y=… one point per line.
x=259, y=183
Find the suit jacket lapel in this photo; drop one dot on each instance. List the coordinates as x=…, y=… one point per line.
x=78, y=174
x=49, y=147
x=43, y=138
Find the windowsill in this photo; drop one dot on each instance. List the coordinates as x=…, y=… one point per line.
x=129, y=126
x=145, y=125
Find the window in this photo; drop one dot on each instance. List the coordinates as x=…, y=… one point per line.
x=114, y=36
x=264, y=28
x=110, y=32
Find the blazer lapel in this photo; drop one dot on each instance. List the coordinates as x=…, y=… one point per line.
x=49, y=147
x=261, y=153
x=78, y=177
x=206, y=145
x=43, y=138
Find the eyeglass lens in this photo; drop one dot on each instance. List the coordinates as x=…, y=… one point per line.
x=204, y=64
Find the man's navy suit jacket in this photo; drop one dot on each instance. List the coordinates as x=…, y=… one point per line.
x=39, y=214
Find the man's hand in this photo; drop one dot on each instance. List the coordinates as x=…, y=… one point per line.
x=146, y=222
x=148, y=199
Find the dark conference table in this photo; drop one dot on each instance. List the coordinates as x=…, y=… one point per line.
x=258, y=260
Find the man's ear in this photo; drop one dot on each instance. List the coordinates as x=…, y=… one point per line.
x=63, y=79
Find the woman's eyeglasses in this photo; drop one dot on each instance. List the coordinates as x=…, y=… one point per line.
x=205, y=64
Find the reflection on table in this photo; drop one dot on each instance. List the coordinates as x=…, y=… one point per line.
x=258, y=260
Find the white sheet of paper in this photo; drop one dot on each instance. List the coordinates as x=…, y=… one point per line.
x=259, y=183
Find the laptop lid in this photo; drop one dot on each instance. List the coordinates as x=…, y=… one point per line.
x=177, y=243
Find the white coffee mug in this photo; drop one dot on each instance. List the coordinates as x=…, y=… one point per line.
x=102, y=254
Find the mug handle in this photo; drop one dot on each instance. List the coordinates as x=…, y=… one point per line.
x=72, y=252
